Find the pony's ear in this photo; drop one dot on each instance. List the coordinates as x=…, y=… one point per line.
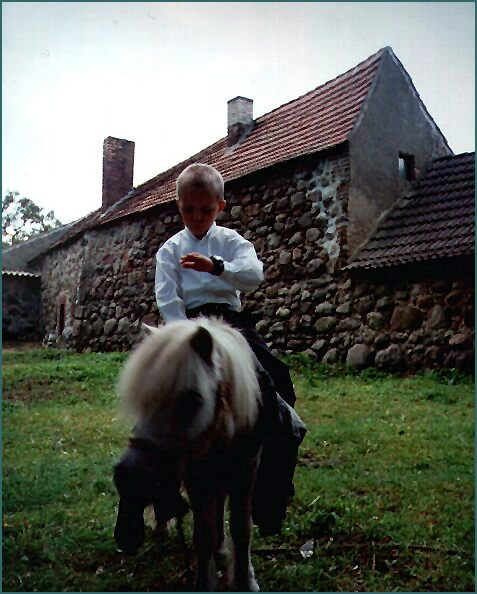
x=148, y=329
x=202, y=344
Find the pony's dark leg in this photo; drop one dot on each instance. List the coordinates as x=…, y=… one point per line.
x=204, y=506
x=241, y=532
x=222, y=553
x=134, y=478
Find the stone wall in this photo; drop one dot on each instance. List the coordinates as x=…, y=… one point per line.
x=296, y=216
x=117, y=285
x=408, y=319
x=61, y=272
x=20, y=306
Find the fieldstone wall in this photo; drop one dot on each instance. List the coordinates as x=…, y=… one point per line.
x=296, y=216
x=117, y=286
x=410, y=320
x=20, y=306
x=61, y=273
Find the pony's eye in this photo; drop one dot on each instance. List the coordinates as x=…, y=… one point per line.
x=187, y=406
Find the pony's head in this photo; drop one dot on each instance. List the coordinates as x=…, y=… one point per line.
x=188, y=377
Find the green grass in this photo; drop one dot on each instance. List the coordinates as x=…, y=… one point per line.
x=384, y=484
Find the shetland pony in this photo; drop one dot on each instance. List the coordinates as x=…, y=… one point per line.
x=192, y=390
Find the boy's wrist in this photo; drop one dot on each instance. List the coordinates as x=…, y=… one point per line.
x=218, y=265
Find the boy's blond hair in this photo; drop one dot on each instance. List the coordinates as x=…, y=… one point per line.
x=199, y=176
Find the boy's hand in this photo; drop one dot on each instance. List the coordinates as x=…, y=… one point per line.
x=198, y=262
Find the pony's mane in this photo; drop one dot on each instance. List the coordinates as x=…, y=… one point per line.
x=165, y=362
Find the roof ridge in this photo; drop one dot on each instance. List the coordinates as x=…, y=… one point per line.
x=263, y=118
x=334, y=80
x=165, y=175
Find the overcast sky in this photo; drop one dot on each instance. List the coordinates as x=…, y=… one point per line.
x=161, y=74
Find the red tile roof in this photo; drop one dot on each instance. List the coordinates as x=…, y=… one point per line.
x=436, y=220
x=316, y=121
x=18, y=256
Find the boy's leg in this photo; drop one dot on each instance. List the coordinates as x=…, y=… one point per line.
x=277, y=370
x=284, y=431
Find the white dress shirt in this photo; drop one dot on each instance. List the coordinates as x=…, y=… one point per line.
x=178, y=289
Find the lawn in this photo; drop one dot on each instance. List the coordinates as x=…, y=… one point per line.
x=384, y=485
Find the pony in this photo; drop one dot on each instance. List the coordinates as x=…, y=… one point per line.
x=192, y=390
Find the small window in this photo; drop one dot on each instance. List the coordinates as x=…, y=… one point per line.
x=407, y=167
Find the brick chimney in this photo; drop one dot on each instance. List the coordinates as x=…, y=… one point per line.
x=118, y=166
x=239, y=119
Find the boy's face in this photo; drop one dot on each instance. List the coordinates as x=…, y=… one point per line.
x=199, y=209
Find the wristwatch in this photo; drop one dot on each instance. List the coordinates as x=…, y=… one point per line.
x=218, y=263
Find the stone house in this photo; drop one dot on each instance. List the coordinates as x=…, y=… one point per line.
x=21, y=286
x=308, y=183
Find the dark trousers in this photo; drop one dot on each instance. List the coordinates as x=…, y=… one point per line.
x=283, y=428
x=244, y=322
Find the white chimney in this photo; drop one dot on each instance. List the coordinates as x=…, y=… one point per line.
x=239, y=118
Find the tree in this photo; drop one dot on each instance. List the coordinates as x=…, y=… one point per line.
x=22, y=219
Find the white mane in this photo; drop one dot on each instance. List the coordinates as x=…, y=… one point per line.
x=166, y=364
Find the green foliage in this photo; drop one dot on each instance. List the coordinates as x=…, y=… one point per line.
x=384, y=484
x=449, y=376
x=306, y=367
x=22, y=219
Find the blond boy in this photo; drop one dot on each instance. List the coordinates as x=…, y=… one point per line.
x=203, y=263
x=201, y=271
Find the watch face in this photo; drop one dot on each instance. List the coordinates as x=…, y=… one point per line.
x=218, y=263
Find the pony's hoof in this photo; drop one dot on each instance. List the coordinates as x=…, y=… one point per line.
x=249, y=584
x=205, y=585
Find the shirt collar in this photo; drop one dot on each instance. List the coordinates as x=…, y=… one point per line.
x=212, y=230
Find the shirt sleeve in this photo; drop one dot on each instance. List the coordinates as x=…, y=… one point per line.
x=242, y=268
x=167, y=286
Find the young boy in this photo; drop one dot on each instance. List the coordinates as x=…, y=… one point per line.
x=201, y=271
